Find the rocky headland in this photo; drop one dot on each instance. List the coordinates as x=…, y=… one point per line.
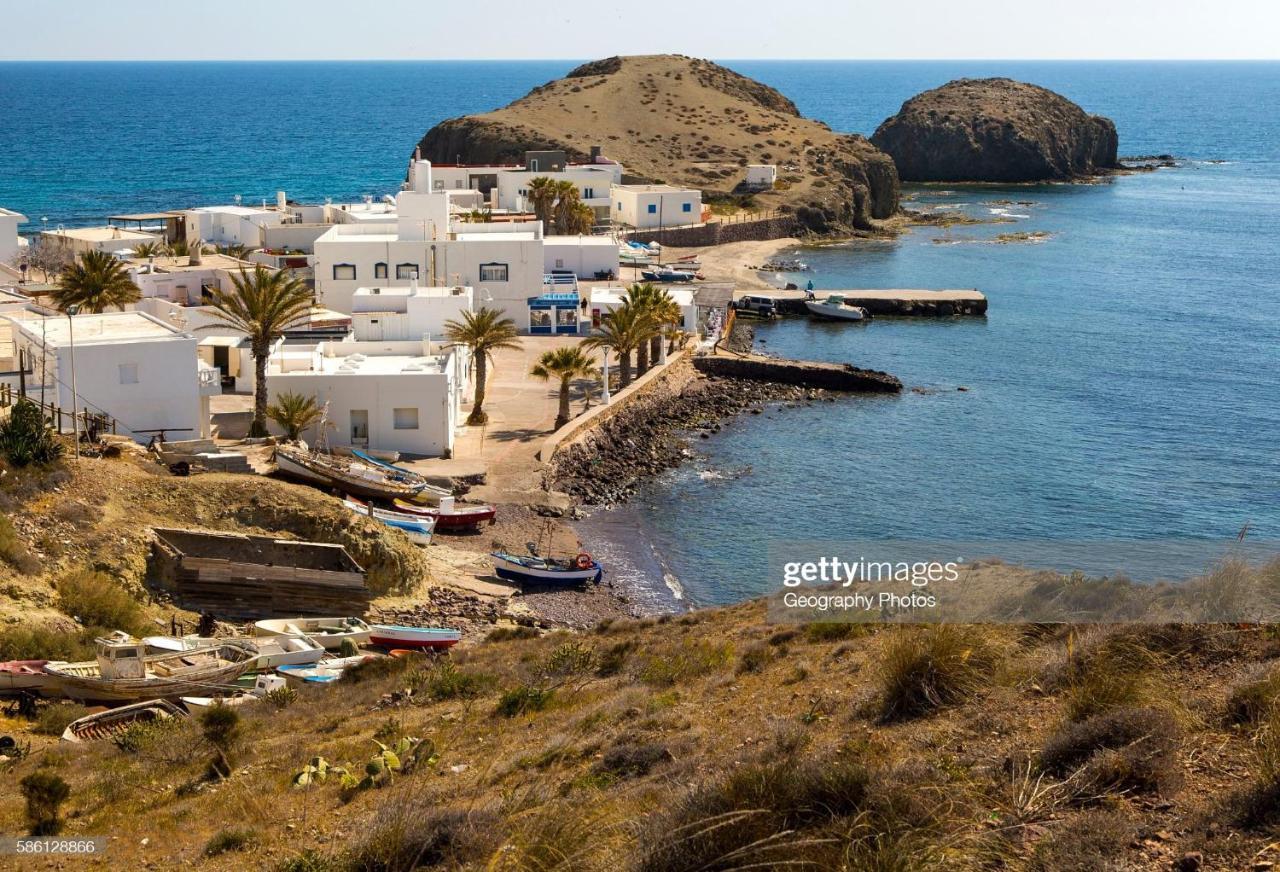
x=685, y=121
x=996, y=130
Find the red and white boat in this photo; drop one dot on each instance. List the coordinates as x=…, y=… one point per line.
x=26, y=676
x=389, y=636
x=449, y=515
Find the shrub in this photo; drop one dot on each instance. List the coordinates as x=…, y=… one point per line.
x=45, y=793
x=615, y=657
x=1254, y=699
x=688, y=660
x=632, y=758
x=44, y=642
x=755, y=658
x=419, y=834
x=26, y=438
x=523, y=699
x=221, y=728
x=1093, y=841
x=281, y=697
x=926, y=668
x=446, y=681
x=54, y=718
x=229, y=840
x=1127, y=749
x=1258, y=804
x=141, y=734
x=14, y=551
x=375, y=668
x=1120, y=676
x=507, y=634
x=98, y=600
x=830, y=631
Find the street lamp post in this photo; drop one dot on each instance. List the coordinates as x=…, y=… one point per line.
x=75, y=414
x=604, y=391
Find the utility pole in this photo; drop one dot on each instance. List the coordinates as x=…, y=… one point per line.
x=75, y=415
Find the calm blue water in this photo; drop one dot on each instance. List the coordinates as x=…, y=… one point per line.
x=1126, y=383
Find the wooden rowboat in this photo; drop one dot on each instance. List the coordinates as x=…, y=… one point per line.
x=349, y=474
x=329, y=633
x=389, y=636
x=448, y=515
x=104, y=725
x=26, y=676
x=124, y=671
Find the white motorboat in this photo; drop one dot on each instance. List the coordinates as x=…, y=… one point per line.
x=329, y=633
x=834, y=308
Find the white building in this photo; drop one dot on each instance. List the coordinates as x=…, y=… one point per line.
x=504, y=262
x=587, y=257
x=141, y=372
x=410, y=313
x=760, y=177
x=649, y=206
x=12, y=246
x=232, y=225
x=392, y=396
x=73, y=242
x=593, y=182
x=179, y=281
x=604, y=299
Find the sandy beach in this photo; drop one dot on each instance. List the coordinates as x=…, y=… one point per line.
x=734, y=261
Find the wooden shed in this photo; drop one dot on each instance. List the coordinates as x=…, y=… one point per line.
x=239, y=577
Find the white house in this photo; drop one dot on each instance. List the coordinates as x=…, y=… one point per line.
x=133, y=367
x=410, y=313
x=12, y=246
x=648, y=206
x=393, y=396
x=75, y=241
x=232, y=225
x=503, y=261
x=179, y=281
x=761, y=177
x=593, y=182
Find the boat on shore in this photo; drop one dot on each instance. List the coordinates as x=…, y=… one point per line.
x=417, y=527
x=668, y=275
x=546, y=570
x=352, y=475
x=834, y=308
x=273, y=651
x=435, y=638
x=449, y=515
x=104, y=725
x=123, y=671
x=329, y=633
x=26, y=676
x=326, y=671
x=430, y=492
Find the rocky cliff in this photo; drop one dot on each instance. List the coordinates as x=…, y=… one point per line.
x=685, y=121
x=996, y=130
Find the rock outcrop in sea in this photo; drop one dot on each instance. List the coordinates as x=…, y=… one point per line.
x=685, y=121
x=996, y=130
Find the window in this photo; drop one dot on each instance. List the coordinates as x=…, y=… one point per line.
x=344, y=271
x=405, y=419
x=653, y=208
x=379, y=270
x=588, y=193
x=619, y=207
x=128, y=373
x=458, y=184
x=687, y=207
x=406, y=270
x=559, y=263
x=438, y=184
x=493, y=272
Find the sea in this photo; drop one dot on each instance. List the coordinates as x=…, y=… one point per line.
x=1124, y=386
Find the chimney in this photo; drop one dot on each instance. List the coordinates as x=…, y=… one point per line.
x=596, y=153
x=282, y=202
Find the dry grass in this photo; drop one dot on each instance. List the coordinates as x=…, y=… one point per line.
x=926, y=669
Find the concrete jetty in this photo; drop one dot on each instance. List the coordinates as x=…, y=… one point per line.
x=903, y=302
x=802, y=373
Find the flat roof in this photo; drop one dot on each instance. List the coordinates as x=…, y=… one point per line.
x=585, y=239
x=235, y=210
x=101, y=234
x=183, y=264
x=145, y=216
x=12, y=214
x=362, y=364
x=105, y=328
x=657, y=189
x=504, y=236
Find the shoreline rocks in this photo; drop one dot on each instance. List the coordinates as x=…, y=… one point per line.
x=996, y=130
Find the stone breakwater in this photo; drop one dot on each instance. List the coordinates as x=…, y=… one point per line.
x=800, y=373
x=649, y=437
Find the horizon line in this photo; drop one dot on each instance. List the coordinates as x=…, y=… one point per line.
x=578, y=60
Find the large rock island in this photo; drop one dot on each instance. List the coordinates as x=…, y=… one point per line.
x=685, y=121
x=996, y=130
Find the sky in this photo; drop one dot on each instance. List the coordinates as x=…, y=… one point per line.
x=507, y=29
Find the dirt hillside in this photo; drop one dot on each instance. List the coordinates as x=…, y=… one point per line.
x=685, y=121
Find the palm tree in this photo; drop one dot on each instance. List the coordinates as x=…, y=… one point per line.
x=566, y=364
x=95, y=283
x=648, y=301
x=542, y=194
x=621, y=331
x=581, y=221
x=483, y=332
x=263, y=305
x=294, y=413
x=566, y=208
x=148, y=249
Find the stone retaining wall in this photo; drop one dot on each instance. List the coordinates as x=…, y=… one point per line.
x=807, y=374
x=720, y=232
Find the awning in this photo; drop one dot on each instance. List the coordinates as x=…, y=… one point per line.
x=145, y=216
x=226, y=341
x=552, y=301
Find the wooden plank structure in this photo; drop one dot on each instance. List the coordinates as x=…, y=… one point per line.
x=241, y=577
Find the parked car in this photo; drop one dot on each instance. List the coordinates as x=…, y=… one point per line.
x=760, y=307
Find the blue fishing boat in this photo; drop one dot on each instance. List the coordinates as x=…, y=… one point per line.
x=417, y=527
x=547, y=571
